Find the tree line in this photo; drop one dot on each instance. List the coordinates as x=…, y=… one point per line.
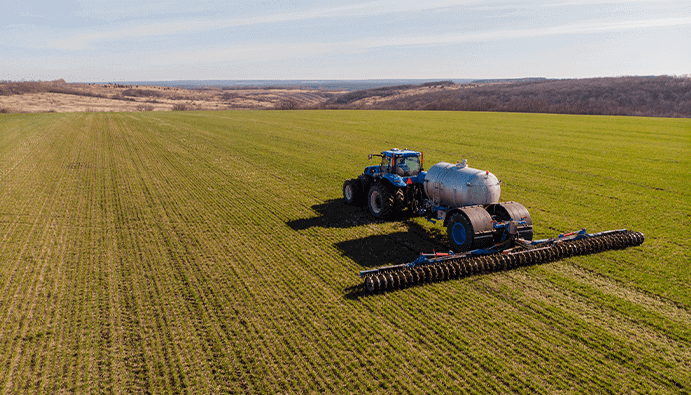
x=662, y=96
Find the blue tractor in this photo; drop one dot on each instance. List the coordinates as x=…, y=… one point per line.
x=391, y=187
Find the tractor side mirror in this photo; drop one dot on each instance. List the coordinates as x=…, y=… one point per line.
x=370, y=157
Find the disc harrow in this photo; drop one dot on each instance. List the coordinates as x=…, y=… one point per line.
x=508, y=255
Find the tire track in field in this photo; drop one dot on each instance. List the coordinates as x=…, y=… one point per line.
x=103, y=243
x=471, y=350
x=96, y=257
x=593, y=328
x=670, y=310
x=130, y=369
x=78, y=269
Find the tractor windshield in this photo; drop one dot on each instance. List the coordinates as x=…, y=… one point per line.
x=408, y=166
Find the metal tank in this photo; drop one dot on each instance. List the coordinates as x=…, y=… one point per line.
x=456, y=185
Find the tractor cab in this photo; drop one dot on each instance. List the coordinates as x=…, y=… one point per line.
x=403, y=163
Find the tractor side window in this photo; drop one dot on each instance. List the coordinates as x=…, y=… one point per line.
x=385, y=164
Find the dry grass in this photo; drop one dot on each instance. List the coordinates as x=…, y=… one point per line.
x=58, y=96
x=640, y=96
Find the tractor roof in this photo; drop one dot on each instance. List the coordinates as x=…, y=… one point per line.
x=400, y=152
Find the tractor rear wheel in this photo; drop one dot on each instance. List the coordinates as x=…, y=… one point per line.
x=381, y=201
x=398, y=199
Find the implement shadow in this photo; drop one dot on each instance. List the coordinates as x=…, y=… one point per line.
x=394, y=248
x=391, y=249
x=376, y=250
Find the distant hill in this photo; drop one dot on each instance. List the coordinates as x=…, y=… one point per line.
x=661, y=96
x=509, y=80
x=346, y=85
x=656, y=96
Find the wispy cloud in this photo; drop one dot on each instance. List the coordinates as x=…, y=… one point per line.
x=570, y=28
x=293, y=50
x=407, y=37
x=561, y=3
x=86, y=38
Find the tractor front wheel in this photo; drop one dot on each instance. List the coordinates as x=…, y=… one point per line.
x=351, y=191
x=381, y=201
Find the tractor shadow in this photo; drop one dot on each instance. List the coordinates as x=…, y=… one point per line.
x=336, y=213
x=376, y=250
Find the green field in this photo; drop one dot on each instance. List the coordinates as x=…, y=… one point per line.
x=210, y=252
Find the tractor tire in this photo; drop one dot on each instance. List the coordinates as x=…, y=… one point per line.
x=460, y=233
x=351, y=191
x=381, y=201
x=398, y=200
x=365, y=184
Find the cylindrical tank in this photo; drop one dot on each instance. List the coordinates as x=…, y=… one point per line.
x=456, y=185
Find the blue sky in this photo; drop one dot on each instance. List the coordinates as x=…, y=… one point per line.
x=121, y=40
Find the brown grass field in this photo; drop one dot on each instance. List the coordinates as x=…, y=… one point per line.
x=57, y=96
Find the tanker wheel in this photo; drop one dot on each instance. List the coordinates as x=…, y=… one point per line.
x=460, y=233
x=351, y=191
x=381, y=201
